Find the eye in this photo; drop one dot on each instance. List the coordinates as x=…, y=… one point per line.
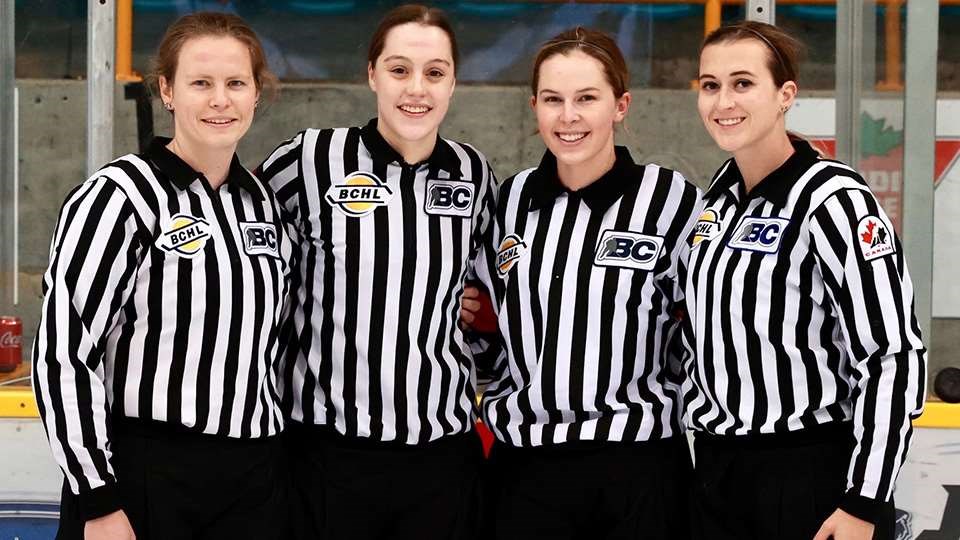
x=587, y=98
x=552, y=99
x=200, y=83
x=236, y=83
x=398, y=70
x=709, y=86
x=743, y=83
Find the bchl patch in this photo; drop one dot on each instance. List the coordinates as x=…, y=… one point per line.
x=707, y=227
x=627, y=249
x=259, y=239
x=759, y=234
x=359, y=194
x=512, y=248
x=874, y=238
x=184, y=235
x=449, y=198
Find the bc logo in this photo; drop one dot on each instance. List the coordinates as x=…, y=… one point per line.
x=185, y=234
x=449, y=198
x=758, y=234
x=359, y=194
x=628, y=249
x=259, y=239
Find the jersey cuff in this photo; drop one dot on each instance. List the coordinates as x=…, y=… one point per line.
x=99, y=502
x=862, y=507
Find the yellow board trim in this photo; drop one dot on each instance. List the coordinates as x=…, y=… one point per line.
x=18, y=403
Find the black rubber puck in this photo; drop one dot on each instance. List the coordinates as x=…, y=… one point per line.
x=947, y=385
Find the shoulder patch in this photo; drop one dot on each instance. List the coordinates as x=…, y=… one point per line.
x=707, y=227
x=449, y=198
x=184, y=234
x=359, y=194
x=628, y=249
x=762, y=234
x=511, y=249
x=874, y=238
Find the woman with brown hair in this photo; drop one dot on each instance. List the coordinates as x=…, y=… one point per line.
x=583, y=266
x=154, y=359
x=377, y=380
x=806, y=364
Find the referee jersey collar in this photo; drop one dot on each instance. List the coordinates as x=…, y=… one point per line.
x=443, y=156
x=776, y=186
x=545, y=187
x=178, y=172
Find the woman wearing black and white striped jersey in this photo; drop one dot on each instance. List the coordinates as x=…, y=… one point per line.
x=378, y=379
x=807, y=362
x=153, y=361
x=583, y=263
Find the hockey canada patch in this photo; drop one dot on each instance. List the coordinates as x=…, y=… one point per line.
x=759, y=234
x=512, y=248
x=874, y=238
x=359, y=194
x=184, y=235
x=707, y=227
x=448, y=198
x=627, y=249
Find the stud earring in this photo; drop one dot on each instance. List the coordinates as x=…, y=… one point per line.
x=167, y=105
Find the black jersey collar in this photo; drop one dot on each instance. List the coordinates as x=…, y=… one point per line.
x=776, y=186
x=182, y=175
x=544, y=184
x=443, y=156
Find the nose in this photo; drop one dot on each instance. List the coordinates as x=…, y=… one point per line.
x=725, y=98
x=416, y=85
x=569, y=113
x=219, y=99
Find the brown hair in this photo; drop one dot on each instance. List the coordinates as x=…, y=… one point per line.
x=411, y=13
x=785, y=51
x=593, y=43
x=202, y=24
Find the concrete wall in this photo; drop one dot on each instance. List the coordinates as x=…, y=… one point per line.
x=662, y=127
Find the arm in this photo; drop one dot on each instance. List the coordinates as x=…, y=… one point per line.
x=864, y=271
x=93, y=260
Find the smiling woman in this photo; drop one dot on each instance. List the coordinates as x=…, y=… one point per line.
x=377, y=375
x=154, y=365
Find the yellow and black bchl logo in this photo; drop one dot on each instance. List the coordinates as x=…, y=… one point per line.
x=512, y=248
x=259, y=238
x=449, y=198
x=184, y=234
x=359, y=194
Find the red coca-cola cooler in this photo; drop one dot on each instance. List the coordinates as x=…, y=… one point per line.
x=11, y=343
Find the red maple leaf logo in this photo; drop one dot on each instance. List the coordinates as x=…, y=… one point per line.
x=868, y=236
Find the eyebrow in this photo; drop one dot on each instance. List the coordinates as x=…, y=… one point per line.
x=405, y=59
x=734, y=74
x=581, y=90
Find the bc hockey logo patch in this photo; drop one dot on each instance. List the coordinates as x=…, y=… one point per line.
x=759, y=234
x=185, y=235
x=448, y=198
x=359, y=194
x=259, y=239
x=511, y=249
x=874, y=238
x=628, y=249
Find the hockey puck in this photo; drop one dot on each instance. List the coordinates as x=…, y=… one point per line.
x=947, y=385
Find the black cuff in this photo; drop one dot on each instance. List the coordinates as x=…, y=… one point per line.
x=99, y=502
x=861, y=507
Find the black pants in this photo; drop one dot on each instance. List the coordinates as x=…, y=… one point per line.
x=356, y=489
x=767, y=487
x=590, y=491
x=186, y=486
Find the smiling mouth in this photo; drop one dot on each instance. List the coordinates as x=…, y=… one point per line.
x=415, y=110
x=219, y=122
x=727, y=122
x=572, y=137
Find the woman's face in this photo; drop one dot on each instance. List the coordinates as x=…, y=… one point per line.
x=738, y=101
x=414, y=80
x=576, y=108
x=213, y=93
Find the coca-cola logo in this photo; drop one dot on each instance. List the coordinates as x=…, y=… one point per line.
x=9, y=340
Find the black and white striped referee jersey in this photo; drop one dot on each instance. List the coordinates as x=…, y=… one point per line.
x=584, y=284
x=802, y=315
x=377, y=351
x=162, y=302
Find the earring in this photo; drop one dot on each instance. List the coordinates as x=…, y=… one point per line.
x=784, y=109
x=167, y=105
x=256, y=104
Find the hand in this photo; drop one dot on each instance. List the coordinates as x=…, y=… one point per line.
x=476, y=311
x=113, y=526
x=843, y=526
